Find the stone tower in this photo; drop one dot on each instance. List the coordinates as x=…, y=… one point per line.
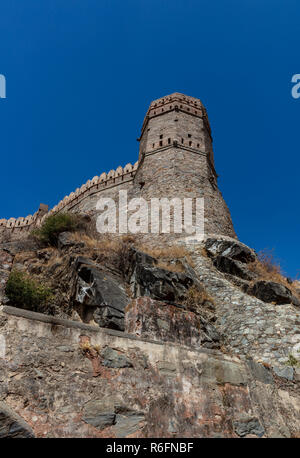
x=176, y=158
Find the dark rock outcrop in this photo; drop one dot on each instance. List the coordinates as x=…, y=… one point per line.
x=233, y=267
x=148, y=280
x=98, y=295
x=269, y=291
x=230, y=249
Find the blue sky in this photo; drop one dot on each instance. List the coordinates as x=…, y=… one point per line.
x=81, y=73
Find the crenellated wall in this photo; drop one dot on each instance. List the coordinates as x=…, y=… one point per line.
x=97, y=184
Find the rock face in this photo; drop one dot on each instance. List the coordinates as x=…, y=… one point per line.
x=232, y=249
x=12, y=425
x=232, y=267
x=146, y=279
x=100, y=296
x=269, y=291
x=155, y=320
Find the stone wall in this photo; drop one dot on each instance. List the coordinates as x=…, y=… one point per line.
x=67, y=379
x=265, y=331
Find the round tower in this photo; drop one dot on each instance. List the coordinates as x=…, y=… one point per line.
x=176, y=159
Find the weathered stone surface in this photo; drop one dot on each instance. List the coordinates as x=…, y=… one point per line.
x=232, y=267
x=179, y=392
x=128, y=424
x=147, y=280
x=99, y=413
x=157, y=320
x=12, y=425
x=286, y=372
x=266, y=332
x=229, y=248
x=100, y=296
x=114, y=358
x=247, y=426
x=269, y=291
x=259, y=372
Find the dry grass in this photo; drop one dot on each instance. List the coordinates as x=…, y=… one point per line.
x=269, y=269
x=56, y=258
x=196, y=299
x=178, y=267
x=87, y=347
x=116, y=249
x=167, y=254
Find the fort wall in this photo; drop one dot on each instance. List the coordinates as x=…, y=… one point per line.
x=175, y=160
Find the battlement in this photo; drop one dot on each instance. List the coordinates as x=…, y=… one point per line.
x=176, y=102
x=103, y=181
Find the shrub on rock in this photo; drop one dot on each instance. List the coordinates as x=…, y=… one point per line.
x=56, y=224
x=24, y=292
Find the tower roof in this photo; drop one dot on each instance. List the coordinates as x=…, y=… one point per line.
x=176, y=96
x=178, y=102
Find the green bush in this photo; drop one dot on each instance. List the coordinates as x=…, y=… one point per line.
x=55, y=224
x=292, y=361
x=24, y=292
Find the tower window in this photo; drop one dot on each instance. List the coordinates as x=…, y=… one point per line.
x=160, y=143
x=153, y=144
x=190, y=143
x=171, y=107
x=169, y=141
x=189, y=135
x=198, y=145
x=182, y=141
x=161, y=136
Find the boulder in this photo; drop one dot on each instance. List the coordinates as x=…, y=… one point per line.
x=230, y=249
x=99, y=295
x=233, y=267
x=269, y=291
x=148, y=280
